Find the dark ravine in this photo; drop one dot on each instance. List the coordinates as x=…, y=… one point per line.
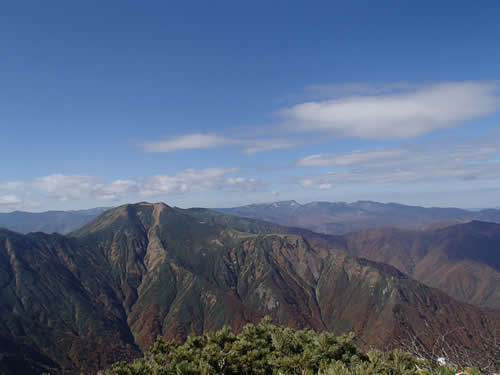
x=106, y=292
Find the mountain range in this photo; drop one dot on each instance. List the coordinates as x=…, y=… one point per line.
x=447, y=248
x=342, y=218
x=462, y=259
x=321, y=217
x=104, y=293
x=50, y=221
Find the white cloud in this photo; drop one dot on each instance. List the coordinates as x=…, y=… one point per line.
x=254, y=146
x=185, y=181
x=397, y=115
x=477, y=160
x=196, y=179
x=204, y=141
x=71, y=187
x=325, y=186
x=308, y=182
x=338, y=90
x=9, y=200
x=11, y=185
x=187, y=142
x=63, y=187
x=116, y=190
x=348, y=158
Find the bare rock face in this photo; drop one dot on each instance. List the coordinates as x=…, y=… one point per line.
x=139, y=271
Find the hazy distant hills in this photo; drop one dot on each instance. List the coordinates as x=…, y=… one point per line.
x=341, y=217
x=49, y=221
x=138, y=271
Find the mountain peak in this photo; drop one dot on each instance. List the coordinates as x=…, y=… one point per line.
x=148, y=204
x=133, y=215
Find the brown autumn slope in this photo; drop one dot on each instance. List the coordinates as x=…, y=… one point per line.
x=143, y=270
x=463, y=260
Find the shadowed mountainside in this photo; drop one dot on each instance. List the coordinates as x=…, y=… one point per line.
x=58, y=306
x=143, y=270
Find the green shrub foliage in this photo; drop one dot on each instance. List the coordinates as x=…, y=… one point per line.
x=271, y=350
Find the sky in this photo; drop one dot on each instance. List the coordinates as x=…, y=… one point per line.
x=226, y=103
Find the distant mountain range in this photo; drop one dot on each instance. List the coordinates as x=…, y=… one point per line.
x=50, y=221
x=321, y=217
x=342, y=218
x=77, y=303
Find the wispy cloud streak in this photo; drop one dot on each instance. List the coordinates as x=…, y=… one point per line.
x=198, y=141
x=416, y=163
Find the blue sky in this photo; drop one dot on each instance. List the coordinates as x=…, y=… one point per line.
x=226, y=103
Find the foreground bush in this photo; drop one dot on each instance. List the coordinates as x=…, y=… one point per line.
x=268, y=349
